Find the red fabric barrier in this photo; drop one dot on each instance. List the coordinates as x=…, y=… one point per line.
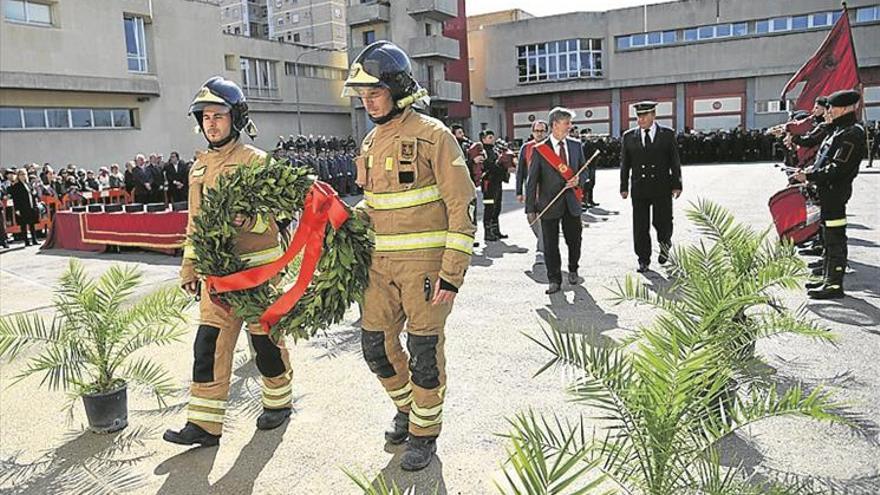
x=162, y=232
x=165, y=230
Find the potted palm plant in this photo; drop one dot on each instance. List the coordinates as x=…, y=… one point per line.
x=89, y=347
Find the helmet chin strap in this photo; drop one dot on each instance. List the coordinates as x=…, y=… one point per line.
x=400, y=105
x=233, y=135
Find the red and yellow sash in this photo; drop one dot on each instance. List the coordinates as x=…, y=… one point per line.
x=555, y=161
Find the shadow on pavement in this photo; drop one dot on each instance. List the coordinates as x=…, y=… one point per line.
x=127, y=256
x=429, y=480
x=494, y=250
x=87, y=463
x=864, y=278
x=188, y=471
x=850, y=311
x=581, y=316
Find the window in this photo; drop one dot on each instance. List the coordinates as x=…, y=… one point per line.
x=29, y=12
x=58, y=117
x=258, y=78
x=669, y=37
x=772, y=106
x=102, y=118
x=639, y=40
x=559, y=60
x=706, y=32
x=779, y=24
x=294, y=19
x=821, y=19
x=296, y=37
x=10, y=118
x=868, y=14
x=690, y=35
x=722, y=30
x=655, y=38
x=762, y=27
x=135, y=44
x=799, y=22
x=623, y=42
x=34, y=118
x=740, y=29
x=315, y=71
x=81, y=117
x=369, y=37
x=429, y=29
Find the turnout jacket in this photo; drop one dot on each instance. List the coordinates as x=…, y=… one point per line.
x=837, y=162
x=257, y=240
x=418, y=193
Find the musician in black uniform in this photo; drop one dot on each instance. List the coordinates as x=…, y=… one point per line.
x=835, y=168
x=490, y=183
x=589, y=147
x=650, y=152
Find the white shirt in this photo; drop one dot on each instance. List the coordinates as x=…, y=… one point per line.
x=555, y=143
x=652, y=131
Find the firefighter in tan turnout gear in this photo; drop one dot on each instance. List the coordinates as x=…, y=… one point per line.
x=421, y=204
x=222, y=114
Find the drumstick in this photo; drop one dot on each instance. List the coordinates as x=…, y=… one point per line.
x=567, y=187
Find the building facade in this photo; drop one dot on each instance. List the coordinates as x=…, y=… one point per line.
x=312, y=22
x=245, y=18
x=710, y=64
x=418, y=27
x=88, y=84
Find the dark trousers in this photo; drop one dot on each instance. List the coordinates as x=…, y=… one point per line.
x=644, y=217
x=491, y=203
x=571, y=230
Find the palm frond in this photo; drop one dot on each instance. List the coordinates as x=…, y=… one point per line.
x=150, y=375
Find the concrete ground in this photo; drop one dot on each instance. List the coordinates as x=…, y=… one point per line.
x=341, y=410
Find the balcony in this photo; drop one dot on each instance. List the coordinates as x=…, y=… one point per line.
x=438, y=10
x=444, y=91
x=437, y=47
x=368, y=13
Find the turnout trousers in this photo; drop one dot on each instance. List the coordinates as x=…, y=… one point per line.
x=398, y=299
x=212, y=366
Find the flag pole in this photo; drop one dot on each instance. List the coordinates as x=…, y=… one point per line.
x=861, y=86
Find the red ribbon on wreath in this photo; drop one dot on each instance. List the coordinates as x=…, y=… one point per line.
x=322, y=205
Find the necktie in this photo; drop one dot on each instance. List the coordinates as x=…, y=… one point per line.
x=562, y=153
x=647, y=137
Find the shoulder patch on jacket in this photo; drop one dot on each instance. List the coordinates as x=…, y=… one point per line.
x=844, y=152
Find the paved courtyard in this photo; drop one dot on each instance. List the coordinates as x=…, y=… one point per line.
x=341, y=411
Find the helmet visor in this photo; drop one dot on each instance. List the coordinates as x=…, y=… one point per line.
x=358, y=77
x=204, y=98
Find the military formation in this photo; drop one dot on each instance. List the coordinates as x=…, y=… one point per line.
x=418, y=179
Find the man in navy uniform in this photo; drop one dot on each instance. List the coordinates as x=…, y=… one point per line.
x=836, y=166
x=553, y=168
x=650, y=152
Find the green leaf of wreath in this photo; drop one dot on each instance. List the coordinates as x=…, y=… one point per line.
x=277, y=190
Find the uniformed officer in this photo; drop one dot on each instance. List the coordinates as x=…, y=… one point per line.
x=650, y=151
x=491, y=180
x=222, y=114
x=837, y=165
x=421, y=204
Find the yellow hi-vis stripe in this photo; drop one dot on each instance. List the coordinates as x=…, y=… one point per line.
x=424, y=423
x=283, y=401
x=212, y=403
x=460, y=242
x=262, y=257
x=405, y=199
x=284, y=389
x=839, y=222
x=404, y=390
x=427, y=411
x=204, y=416
x=410, y=242
x=260, y=225
x=188, y=251
x=488, y=201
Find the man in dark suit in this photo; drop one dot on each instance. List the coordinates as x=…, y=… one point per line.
x=650, y=152
x=177, y=174
x=552, y=169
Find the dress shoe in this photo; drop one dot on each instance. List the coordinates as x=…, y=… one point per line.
x=272, y=418
x=539, y=258
x=191, y=434
x=643, y=267
x=399, y=430
x=573, y=278
x=419, y=452
x=812, y=251
x=818, y=272
x=827, y=292
x=816, y=264
x=553, y=289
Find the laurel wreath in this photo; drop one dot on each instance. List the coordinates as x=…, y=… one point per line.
x=276, y=190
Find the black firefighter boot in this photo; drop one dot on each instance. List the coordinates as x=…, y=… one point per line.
x=191, y=434
x=835, y=267
x=272, y=418
x=489, y=231
x=399, y=430
x=497, y=228
x=419, y=452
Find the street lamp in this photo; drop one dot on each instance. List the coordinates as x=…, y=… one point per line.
x=299, y=128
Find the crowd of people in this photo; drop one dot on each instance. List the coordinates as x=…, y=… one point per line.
x=329, y=158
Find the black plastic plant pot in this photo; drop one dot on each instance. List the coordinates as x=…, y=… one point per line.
x=107, y=411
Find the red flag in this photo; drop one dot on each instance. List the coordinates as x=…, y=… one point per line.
x=833, y=67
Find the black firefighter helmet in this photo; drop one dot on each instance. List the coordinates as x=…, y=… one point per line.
x=219, y=91
x=384, y=65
